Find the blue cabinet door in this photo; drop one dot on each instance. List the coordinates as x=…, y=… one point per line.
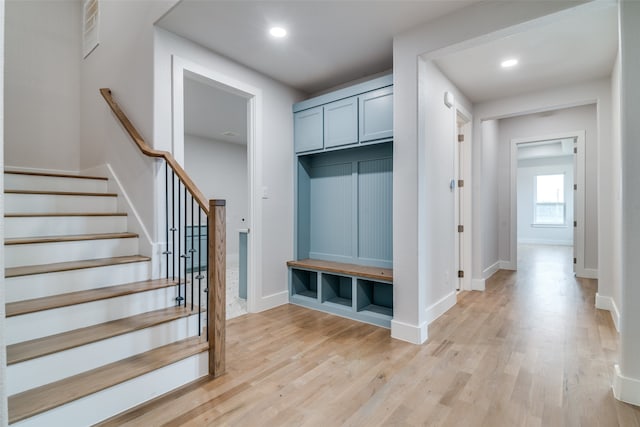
x=308, y=130
x=341, y=122
x=376, y=115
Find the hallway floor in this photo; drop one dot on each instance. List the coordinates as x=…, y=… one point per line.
x=532, y=350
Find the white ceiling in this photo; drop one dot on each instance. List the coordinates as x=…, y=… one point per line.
x=210, y=112
x=333, y=42
x=329, y=42
x=578, y=48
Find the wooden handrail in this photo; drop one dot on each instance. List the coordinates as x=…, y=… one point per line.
x=150, y=152
x=215, y=211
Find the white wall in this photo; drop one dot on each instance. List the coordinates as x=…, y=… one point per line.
x=626, y=384
x=490, y=207
x=273, y=162
x=553, y=122
x=478, y=20
x=42, y=97
x=123, y=62
x=4, y=418
x=528, y=169
x=437, y=230
x=219, y=169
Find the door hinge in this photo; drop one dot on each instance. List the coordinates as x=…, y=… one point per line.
x=461, y=229
x=575, y=223
x=575, y=186
x=460, y=183
x=575, y=150
x=460, y=274
x=460, y=138
x=575, y=260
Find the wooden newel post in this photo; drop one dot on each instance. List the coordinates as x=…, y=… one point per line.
x=217, y=286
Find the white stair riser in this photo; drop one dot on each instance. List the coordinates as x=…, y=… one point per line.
x=66, y=225
x=47, y=369
x=48, y=253
x=104, y=404
x=51, y=183
x=62, y=282
x=49, y=322
x=51, y=203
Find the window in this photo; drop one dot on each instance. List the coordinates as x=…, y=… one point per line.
x=549, y=202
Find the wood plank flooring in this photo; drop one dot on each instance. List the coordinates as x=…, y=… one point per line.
x=532, y=350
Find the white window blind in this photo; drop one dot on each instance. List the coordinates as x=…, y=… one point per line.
x=550, y=202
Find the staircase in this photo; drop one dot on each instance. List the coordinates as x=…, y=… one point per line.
x=89, y=333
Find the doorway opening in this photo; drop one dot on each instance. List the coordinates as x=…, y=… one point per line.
x=462, y=167
x=547, y=195
x=242, y=236
x=215, y=157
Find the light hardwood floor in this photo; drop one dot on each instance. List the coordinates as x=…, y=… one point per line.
x=529, y=351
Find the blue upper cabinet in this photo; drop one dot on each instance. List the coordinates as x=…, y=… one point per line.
x=341, y=123
x=376, y=115
x=308, y=130
x=359, y=114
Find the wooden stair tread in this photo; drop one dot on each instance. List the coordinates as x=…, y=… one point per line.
x=68, y=238
x=56, y=175
x=80, y=297
x=32, y=402
x=39, y=347
x=61, y=193
x=376, y=273
x=72, y=265
x=62, y=214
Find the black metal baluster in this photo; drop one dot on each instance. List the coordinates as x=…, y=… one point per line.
x=173, y=225
x=199, y=277
x=192, y=250
x=179, y=298
x=166, y=210
x=186, y=257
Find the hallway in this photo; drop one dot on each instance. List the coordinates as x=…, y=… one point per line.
x=530, y=351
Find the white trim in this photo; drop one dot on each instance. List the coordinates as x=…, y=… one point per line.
x=467, y=216
x=609, y=304
x=579, y=199
x=491, y=270
x=414, y=334
x=254, y=156
x=624, y=388
x=588, y=273
x=478, y=284
x=440, y=307
x=271, y=301
x=545, y=242
x=508, y=265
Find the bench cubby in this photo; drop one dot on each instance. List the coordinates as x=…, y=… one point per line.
x=349, y=290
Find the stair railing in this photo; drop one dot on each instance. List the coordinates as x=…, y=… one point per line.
x=184, y=256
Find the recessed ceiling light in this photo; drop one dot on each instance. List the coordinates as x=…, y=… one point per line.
x=278, y=32
x=229, y=133
x=509, y=63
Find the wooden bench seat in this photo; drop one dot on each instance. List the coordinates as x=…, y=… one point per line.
x=375, y=273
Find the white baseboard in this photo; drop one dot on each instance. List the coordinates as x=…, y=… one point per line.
x=440, y=307
x=270, y=301
x=587, y=273
x=478, y=284
x=491, y=270
x=609, y=304
x=545, y=242
x=625, y=389
x=414, y=334
x=507, y=265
